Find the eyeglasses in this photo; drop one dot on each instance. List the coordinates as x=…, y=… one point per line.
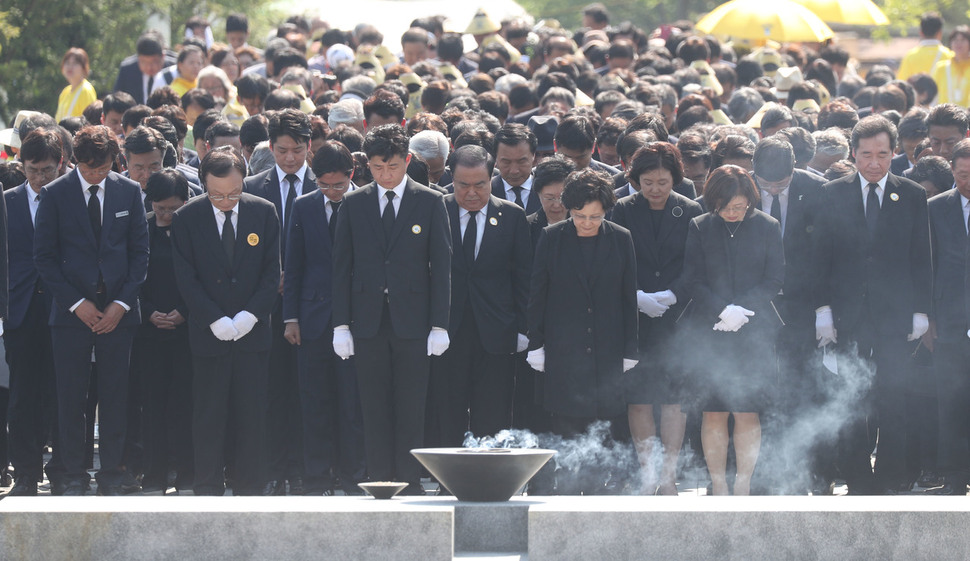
x=165, y=209
x=551, y=199
x=333, y=186
x=595, y=219
x=733, y=209
x=220, y=198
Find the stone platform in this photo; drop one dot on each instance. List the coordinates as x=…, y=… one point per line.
x=441, y=528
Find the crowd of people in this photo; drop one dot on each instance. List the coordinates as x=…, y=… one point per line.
x=279, y=270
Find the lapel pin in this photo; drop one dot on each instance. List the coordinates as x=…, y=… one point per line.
x=800, y=197
x=893, y=197
x=677, y=212
x=416, y=229
x=493, y=221
x=252, y=239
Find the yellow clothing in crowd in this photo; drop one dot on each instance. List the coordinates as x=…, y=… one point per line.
x=73, y=101
x=181, y=85
x=923, y=58
x=953, y=80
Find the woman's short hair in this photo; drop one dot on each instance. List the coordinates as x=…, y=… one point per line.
x=165, y=184
x=588, y=185
x=727, y=182
x=79, y=56
x=657, y=155
x=554, y=169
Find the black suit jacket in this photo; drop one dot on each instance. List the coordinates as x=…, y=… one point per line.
x=891, y=271
x=950, y=306
x=211, y=286
x=130, y=76
x=414, y=268
x=307, y=286
x=23, y=275
x=899, y=164
x=266, y=185
x=70, y=260
x=585, y=318
x=496, y=284
x=498, y=191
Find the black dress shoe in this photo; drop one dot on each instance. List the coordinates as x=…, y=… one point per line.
x=74, y=490
x=929, y=479
x=298, y=488
x=129, y=484
x=948, y=489
x=26, y=487
x=274, y=487
x=6, y=480
x=111, y=491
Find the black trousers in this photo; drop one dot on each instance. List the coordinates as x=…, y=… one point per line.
x=229, y=408
x=165, y=365
x=952, y=362
x=333, y=426
x=392, y=374
x=32, y=411
x=473, y=388
x=284, y=426
x=72, y=365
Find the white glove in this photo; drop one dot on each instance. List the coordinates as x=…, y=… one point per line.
x=522, y=345
x=825, y=326
x=629, y=363
x=921, y=324
x=1, y=328
x=438, y=341
x=647, y=304
x=733, y=317
x=667, y=297
x=343, y=342
x=223, y=329
x=244, y=323
x=537, y=359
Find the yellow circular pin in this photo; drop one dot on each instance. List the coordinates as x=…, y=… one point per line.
x=252, y=239
x=493, y=221
x=416, y=229
x=894, y=197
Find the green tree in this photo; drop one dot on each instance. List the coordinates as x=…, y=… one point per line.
x=34, y=34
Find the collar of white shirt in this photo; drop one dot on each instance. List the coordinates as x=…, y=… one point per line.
x=881, y=183
x=84, y=184
x=218, y=213
x=284, y=185
x=398, y=191
x=526, y=185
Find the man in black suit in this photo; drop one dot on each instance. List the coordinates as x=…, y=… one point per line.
x=289, y=139
x=950, y=320
x=137, y=73
x=947, y=124
x=91, y=249
x=576, y=139
x=227, y=266
x=873, y=279
x=391, y=299
x=515, y=149
x=145, y=150
x=333, y=431
x=791, y=196
x=489, y=294
x=27, y=337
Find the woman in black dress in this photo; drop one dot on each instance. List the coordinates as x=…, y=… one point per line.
x=583, y=313
x=734, y=266
x=658, y=219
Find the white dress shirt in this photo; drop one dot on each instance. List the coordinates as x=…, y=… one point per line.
x=479, y=222
x=33, y=201
x=879, y=190
x=285, y=187
x=965, y=204
x=767, y=199
x=221, y=219
x=526, y=190
x=398, y=193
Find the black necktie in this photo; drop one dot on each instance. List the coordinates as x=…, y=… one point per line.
x=334, y=207
x=518, y=196
x=471, y=236
x=151, y=82
x=228, y=236
x=388, y=217
x=290, y=195
x=776, y=207
x=872, y=208
x=94, y=212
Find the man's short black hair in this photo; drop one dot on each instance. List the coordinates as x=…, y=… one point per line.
x=386, y=141
x=871, y=126
x=576, y=133
x=220, y=129
x=385, y=104
x=174, y=115
x=253, y=131
x=597, y=12
x=331, y=157
x=415, y=35
x=95, y=144
x=119, y=102
x=930, y=23
x=936, y=170
x=278, y=100
x=165, y=127
x=471, y=156
x=774, y=159
x=522, y=95
x=198, y=96
x=143, y=140
x=150, y=44
x=494, y=103
x=289, y=122
x=348, y=136
x=554, y=169
x=513, y=134
x=652, y=122
x=42, y=145
x=913, y=125
x=949, y=115
x=165, y=184
x=134, y=116
x=163, y=96
x=450, y=47
x=802, y=143
x=286, y=58
x=204, y=121
x=631, y=141
x=220, y=162
x=237, y=22
x=252, y=85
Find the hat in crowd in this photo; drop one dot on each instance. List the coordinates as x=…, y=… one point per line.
x=339, y=53
x=371, y=64
x=785, y=78
x=452, y=74
x=544, y=127
x=755, y=120
x=482, y=24
x=769, y=59
x=806, y=105
x=11, y=137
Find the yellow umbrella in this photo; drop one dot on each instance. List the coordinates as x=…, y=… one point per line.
x=850, y=12
x=781, y=20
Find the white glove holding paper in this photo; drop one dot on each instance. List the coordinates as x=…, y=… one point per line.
x=921, y=324
x=523, y=343
x=223, y=329
x=438, y=341
x=537, y=359
x=647, y=304
x=244, y=323
x=343, y=342
x=824, y=326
